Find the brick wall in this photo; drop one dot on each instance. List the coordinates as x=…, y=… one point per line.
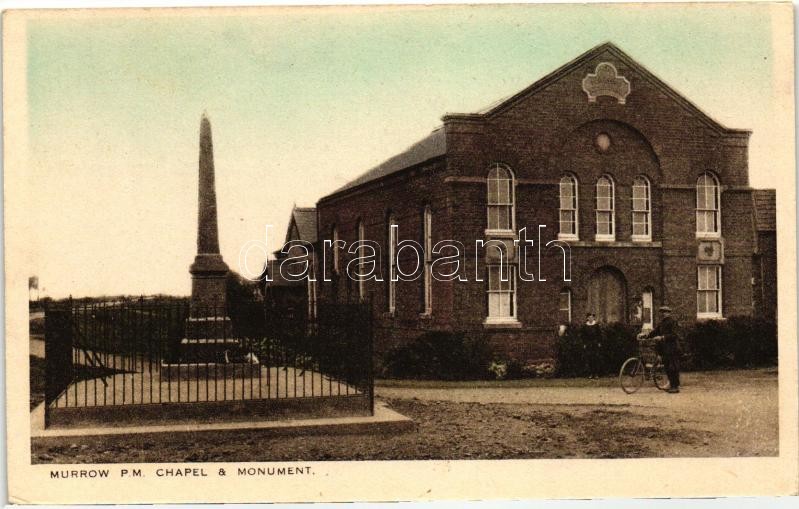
x=766, y=274
x=541, y=136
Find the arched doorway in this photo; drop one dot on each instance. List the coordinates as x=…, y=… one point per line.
x=606, y=295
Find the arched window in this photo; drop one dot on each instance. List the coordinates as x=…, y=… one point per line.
x=642, y=209
x=565, y=307
x=427, y=229
x=605, y=209
x=568, y=208
x=708, y=206
x=500, y=198
x=361, y=254
x=392, y=264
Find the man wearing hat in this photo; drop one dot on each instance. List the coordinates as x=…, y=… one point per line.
x=669, y=347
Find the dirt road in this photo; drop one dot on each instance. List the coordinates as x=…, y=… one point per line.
x=730, y=413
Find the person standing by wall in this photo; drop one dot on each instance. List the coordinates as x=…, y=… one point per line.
x=592, y=337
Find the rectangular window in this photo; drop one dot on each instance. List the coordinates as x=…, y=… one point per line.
x=501, y=294
x=428, y=261
x=565, y=307
x=311, y=305
x=392, y=266
x=646, y=310
x=708, y=293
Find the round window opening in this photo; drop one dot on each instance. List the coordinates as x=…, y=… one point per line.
x=603, y=142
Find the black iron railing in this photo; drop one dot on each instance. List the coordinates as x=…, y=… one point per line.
x=150, y=352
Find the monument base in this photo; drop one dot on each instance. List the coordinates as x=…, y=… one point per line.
x=216, y=350
x=210, y=371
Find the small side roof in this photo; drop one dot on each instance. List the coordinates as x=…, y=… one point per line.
x=765, y=209
x=305, y=219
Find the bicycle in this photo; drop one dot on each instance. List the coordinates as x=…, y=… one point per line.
x=646, y=366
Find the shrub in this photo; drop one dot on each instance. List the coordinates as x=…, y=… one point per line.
x=598, y=350
x=36, y=325
x=245, y=308
x=738, y=342
x=499, y=369
x=441, y=356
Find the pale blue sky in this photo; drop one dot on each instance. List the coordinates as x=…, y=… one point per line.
x=303, y=100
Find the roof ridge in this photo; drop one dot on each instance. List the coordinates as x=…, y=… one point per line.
x=502, y=104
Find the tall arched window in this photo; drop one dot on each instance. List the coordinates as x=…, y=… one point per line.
x=708, y=206
x=642, y=209
x=427, y=229
x=568, y=208
x=605, y=209
x=392, y=264
x=361, y=253
x=336, y=256
x=500, y=198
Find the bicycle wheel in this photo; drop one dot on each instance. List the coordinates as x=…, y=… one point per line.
x=631, y=375
x=659, y=375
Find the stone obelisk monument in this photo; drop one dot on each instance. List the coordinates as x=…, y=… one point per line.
x=208, y=327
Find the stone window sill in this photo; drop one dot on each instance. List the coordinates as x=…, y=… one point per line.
x=502, y=323
x=503, y=234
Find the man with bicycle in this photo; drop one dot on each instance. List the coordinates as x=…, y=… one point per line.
x=668, y=346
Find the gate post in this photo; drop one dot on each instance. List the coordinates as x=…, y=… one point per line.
x=58, y=369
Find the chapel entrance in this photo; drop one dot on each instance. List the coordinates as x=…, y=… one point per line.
x=606, y=291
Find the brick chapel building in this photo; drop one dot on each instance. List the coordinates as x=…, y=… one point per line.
x=644, y=195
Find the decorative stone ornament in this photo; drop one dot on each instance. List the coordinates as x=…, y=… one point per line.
x=602, y=142
x=710, y=251
x=606, y=81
